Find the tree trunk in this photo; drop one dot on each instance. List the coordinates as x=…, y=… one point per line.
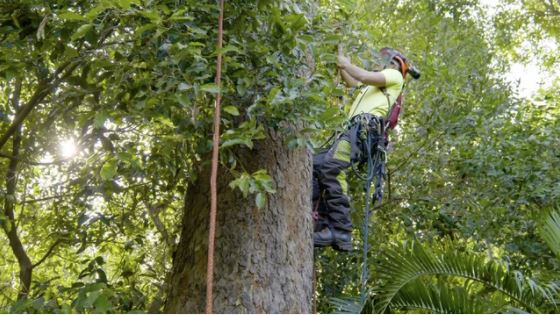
x=264, y=257
x=25, y=266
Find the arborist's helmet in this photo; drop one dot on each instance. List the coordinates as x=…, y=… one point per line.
x=392, y=55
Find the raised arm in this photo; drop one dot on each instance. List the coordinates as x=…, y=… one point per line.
x=359, y=74
x=348, y=79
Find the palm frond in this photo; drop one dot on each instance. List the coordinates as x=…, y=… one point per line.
x=550, y=231
x=438, y=298
x=402, y=265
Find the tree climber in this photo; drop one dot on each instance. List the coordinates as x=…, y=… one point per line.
x=370, y=110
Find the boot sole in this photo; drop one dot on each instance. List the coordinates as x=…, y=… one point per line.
x=322, y=243
x=343, y=246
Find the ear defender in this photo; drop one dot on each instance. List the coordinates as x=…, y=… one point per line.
x=403, y=66
x=414, y=72
x=394, y=57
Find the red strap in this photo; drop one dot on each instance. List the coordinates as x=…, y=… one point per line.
x=395, y=112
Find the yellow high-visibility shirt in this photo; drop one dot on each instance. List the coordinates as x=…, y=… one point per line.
x=372, y=100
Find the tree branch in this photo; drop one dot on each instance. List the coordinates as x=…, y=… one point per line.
x=25, y=161
x=47, y=254
x=42, y=91
x=75, y=193
x=45, y=88
x=46, y=198
x=25, y=267
x=415, y=151
x=154, y=214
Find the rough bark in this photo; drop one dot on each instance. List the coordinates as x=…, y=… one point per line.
x=264, y=257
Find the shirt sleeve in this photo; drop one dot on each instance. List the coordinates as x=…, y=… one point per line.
x=392, y=78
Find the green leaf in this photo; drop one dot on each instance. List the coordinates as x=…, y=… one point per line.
x=91, y=298
x=125, y=4
x=230, y=48
x=264, y=181
x=77, y=284
x=272, y=94
x=232, y=110
x=179, y=15
x=71, y=16
x=102, y=303
x=92, y=14
x=101, y=275
x=153, y=16
x=260, y=200
x=99, y=120
x=183, y=86
x=210, y=87
x=297, y=21
x=99, y=260
x=81, y=31
x=166, y=121
x=109, y=169
x=242, y=183
x=97, y=286
x=183, y=100
x=232, y=142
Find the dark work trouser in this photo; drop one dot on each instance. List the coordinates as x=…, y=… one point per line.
x=330, y=186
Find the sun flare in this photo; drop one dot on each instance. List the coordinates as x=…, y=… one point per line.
x=68, y=148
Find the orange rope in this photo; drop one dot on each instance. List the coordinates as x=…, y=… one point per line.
x=214, y=172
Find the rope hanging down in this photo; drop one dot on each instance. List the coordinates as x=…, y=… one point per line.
x=214, y=171
x=375, y=150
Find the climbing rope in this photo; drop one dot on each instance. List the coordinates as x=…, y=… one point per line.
x=375, y=169
x=214, y=170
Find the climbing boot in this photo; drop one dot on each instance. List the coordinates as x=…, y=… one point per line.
x=339, y=240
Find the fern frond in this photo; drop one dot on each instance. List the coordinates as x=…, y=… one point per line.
x=402, y=265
